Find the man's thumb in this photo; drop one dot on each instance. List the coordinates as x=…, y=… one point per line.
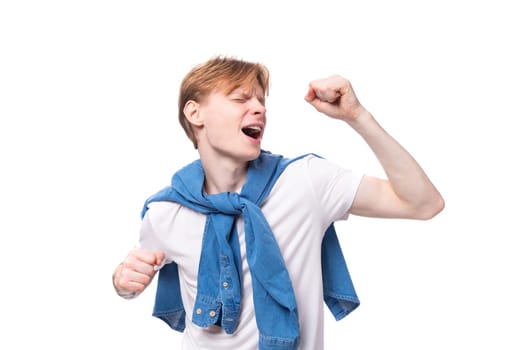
x=159, y=258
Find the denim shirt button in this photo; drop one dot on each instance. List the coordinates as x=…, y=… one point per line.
x=198, y=311
x=225, y=284
x=212, y=313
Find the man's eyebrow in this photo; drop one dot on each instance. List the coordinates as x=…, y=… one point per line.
x=237, y=90
x=247, y=92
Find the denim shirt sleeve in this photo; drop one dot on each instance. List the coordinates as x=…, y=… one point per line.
x=338, y=289
x=168, y=300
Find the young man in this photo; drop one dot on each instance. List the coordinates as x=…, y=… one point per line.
x=244, y=238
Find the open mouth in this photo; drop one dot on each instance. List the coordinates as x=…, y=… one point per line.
x=252, y=131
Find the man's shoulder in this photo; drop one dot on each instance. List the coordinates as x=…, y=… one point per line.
x=168, y=212
x=163, y=208
x=307, y=160
x=298, y=169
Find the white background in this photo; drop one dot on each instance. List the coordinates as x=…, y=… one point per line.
x=88, y=107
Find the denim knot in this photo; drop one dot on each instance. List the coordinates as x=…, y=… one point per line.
x=229, y=203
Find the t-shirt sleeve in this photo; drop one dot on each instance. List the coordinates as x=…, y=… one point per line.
x=335, y=187
x=151, y=229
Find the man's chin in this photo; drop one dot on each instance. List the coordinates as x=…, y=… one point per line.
x=253, y=155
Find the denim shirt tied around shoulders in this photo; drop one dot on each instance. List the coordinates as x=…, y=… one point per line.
x=218, y=297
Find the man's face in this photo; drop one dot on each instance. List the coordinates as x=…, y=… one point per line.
x=233, y=124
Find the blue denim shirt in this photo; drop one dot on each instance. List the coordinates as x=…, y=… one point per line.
x=219, y=287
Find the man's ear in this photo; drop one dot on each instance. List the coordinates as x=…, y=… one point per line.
x=191, y=112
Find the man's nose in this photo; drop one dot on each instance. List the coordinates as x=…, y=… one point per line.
x=258, y=106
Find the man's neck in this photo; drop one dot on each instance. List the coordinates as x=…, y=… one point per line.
x=222, y=174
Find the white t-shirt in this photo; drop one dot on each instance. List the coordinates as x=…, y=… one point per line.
x=308, y=196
